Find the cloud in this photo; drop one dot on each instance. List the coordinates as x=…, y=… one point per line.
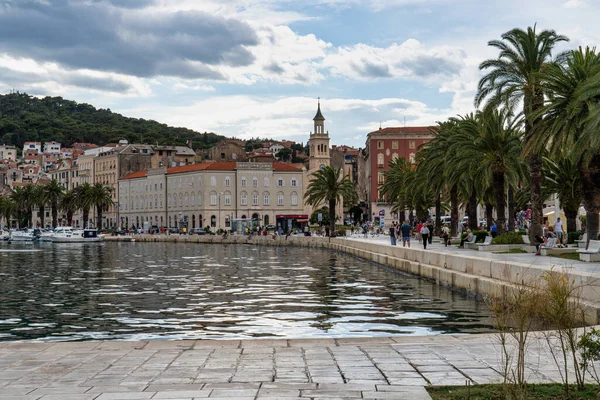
x=138, y=42
x=28, y=75
x=408, y=60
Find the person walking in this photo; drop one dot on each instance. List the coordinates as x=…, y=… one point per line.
x=393, y=233
x=430, y=227
x=406, y=231
x=424, y=235
x=558, y=229
x=419, y=226
x=493, y=230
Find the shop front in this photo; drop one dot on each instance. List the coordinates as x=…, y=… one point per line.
x=292, y=222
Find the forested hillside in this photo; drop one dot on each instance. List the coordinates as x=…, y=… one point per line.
x=26, y=118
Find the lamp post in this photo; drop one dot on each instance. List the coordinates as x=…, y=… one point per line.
x=180, y=220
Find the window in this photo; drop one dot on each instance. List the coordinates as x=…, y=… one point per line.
x=395, y=144
x=266, y=199
x=243, y=181
x=280, y=182
x=243, y=199
x=186, y=200
x=255, y=181
x=380, y=144
x=254, y=199
x=280, y=198
x=394, y=156
x=294, y=199
x=380, y=178
x=411, y=157
x=266, y=182
x=227, y=221
x=227, y=181
x=199, y=181
x=227, y=199
x=199, y=198
x=192, y=199
x=294, y=182
x=213, y=181
x=411, y=144
x=213, y=199
x=380, y=160
x=180, y=199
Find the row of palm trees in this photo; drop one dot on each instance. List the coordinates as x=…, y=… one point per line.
x=537, y=133
x=20, y=203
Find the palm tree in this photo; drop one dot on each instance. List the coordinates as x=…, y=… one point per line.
x=328, y=185
x=561, y=176
x=394, y=184
x=41, y=199
x=19, y=199
x=515, y=77
x=69, y=204
x=101, y=197
x=7, y=208
x=492, y=145
x=83, y=193
x=54, y=192
x=572, y=120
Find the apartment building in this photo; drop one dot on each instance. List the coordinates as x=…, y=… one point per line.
x=8, y=152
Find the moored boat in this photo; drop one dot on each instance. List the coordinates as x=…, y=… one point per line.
x=71, y=235
x=24, y=235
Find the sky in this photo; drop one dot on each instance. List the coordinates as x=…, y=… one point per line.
x=255, y=68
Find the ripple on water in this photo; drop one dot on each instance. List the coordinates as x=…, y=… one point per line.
x=166, y=291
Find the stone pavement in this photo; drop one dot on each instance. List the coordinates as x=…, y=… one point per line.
x=360, y=368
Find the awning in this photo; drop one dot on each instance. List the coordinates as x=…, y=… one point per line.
x=302, y=220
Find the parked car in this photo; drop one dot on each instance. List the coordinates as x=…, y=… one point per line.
x=173, y=231
x=197, y=231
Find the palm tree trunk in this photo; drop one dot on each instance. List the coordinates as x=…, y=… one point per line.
x=42, y=215
x=331, y=217
x=511, y=209
x=473, y=222
x=571, y=215
x=438, y=211
x=537, y=210
x=99, y=213
x=54, y=207
x=454, y=210
x=590, y=190
x=69, y=217
x=86, y=213
x=498, y=181
x=489, y=214
x=402, y=216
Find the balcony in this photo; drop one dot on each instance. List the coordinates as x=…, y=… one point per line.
x=381, y=202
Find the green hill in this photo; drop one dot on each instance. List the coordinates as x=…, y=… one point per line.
x=24, y=118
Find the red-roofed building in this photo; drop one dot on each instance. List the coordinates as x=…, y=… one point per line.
x=383, y=146
x=228, y=195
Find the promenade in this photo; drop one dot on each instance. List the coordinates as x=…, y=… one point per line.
x=396, y=367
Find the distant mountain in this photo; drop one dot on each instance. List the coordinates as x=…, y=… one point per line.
x=24, y=118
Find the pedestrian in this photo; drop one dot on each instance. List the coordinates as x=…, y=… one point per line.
x=558, y=229
x=430, y=227
x=419, y=226
x=393, y=233
x=424, y=235
x=406, y=231
x=494, y=229
x=467, y=238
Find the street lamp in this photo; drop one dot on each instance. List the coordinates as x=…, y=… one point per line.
x=180, y=220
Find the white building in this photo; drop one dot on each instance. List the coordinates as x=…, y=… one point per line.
x=51, y=147
x=225, y=195
x=32, y=146
x=8, y=153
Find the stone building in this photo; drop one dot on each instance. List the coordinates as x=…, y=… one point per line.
x=228, y=195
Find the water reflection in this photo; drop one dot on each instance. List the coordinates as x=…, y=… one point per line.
x=137, y=291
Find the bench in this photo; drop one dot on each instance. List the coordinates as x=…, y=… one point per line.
x=552, y=251
x=471, y=243
x=486, y=242
x=526, y=240
x=583, y=242
x=592, y=253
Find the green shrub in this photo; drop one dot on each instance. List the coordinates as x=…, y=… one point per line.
x=481, y=235
x=573, y=236
x=509, y=238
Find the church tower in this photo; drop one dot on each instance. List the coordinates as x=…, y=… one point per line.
x=318, y=143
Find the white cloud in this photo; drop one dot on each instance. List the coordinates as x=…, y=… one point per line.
x=408, y=60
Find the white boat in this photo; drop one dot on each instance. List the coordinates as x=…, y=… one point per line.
x=4, y=235
x=46, y=235
x=23, y=235
x=70, y=235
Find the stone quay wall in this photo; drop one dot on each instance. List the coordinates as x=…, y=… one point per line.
x=474, y=274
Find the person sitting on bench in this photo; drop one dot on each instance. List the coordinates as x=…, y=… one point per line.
x=467, y=238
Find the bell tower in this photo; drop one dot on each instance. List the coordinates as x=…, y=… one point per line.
x=318, y=143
